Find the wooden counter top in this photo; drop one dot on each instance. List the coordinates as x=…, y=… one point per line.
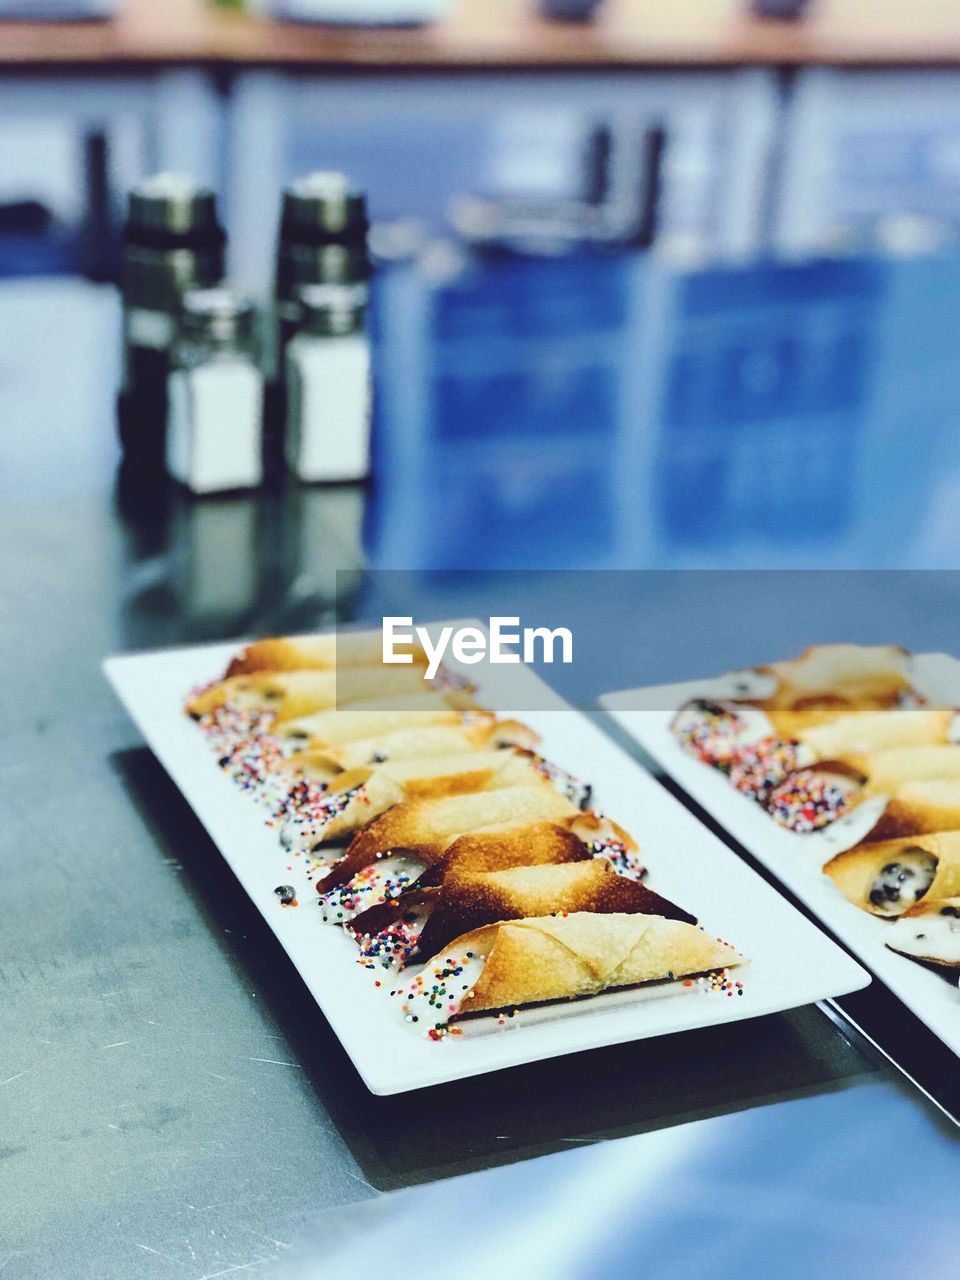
x=491, y=34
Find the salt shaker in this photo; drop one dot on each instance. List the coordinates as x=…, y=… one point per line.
x=214, y=436
x=328, y=386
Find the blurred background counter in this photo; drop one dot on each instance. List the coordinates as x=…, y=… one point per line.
x=502, y=33
x=587, y=411
x=799, y=136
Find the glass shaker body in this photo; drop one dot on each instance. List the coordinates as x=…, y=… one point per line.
x=328, y=387
x=214, y=441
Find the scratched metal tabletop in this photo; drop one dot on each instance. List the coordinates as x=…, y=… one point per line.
x=172, y=1104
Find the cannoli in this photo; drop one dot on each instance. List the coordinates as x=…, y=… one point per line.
x=889, y=877
x=469, y=901
x=840, y=674
x=434, y=740
x=930, y=933
x=317, y=652
x=292, y=694
x=773, y=771
x=808, y=800
x=359, y=795
x=793, y=725
x=920, y=808
x=498, y=847
x=333, y=728
x=507, y=965
x=862, y=733
x=890, y=770
x=323, y=764
x=434, y=917
x=398, y=877
x=422, y=829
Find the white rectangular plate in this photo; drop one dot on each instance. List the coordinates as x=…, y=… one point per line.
x=791, y=962
x=796, y=860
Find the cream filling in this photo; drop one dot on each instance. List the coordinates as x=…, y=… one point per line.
x=901, y=883
x=932, y=936
x=851, y=787
x=440, y=991
x=388, y=877
x=308, y=831
x=256, y=699
x=856, y=823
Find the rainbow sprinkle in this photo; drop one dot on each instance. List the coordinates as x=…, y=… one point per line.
x=801, y=800
x=709, y=730
x=807, y=801
x=392, y=947
x=315, y=810
x=243, y=743
x=756, y=768
x=717, y=983
x=300, y=800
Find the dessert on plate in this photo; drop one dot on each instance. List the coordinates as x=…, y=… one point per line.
x=433, y=828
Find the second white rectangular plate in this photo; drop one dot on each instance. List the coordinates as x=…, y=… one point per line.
x=791, y=962
x=797, y=860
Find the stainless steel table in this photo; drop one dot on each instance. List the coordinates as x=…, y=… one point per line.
x=172, y=1104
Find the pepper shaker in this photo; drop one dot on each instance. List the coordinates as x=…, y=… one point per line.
x=323, y=240
x=172, y=242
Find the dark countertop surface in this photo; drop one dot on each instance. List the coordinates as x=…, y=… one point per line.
x=172, y=1103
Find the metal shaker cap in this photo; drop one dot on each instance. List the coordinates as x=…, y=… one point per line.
x=172, y=204
x=332, y=309
x=322, y=204
x=222, y=313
